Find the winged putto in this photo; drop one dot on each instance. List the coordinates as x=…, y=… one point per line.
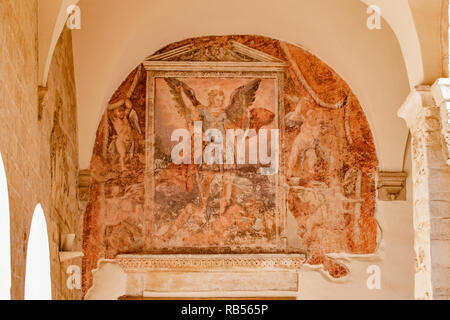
x=125, y=122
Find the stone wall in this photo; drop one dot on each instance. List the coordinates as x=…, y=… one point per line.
x=39, y=150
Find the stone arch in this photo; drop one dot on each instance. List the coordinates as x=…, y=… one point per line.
x=52, y=18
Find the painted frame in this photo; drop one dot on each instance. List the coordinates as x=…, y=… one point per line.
x=262, y=67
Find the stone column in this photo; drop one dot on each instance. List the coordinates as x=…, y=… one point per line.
x=441, y=94
x=431, y=194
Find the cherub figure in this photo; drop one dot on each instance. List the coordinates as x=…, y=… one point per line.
x=124, y=120
x=306, y=139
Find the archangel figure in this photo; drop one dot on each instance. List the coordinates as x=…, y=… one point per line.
x=215, y=114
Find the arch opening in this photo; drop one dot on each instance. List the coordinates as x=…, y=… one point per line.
x=38, y=279
x=5, y=238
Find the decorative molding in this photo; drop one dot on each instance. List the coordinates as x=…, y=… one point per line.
x=391, y=186
x=419, y=98
x=234, y=52
x=208, y=66
x=235, y=58
x=182, y=262
x=84, y=184
x=146, y=276
x=252, y=53
x=171, y=54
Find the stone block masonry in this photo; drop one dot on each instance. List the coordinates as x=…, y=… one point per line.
x=41, y=156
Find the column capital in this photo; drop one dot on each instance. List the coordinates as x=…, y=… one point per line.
x=419, y=98
x=441, y=94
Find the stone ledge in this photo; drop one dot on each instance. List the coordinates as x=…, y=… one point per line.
x=391, y=186
x=183, y=262
x=84, y=184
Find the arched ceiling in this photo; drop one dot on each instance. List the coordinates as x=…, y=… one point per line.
x=416, y=24
x=52, y=18
x=427, y=17
x=380, y=65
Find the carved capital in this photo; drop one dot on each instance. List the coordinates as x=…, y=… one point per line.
x=84, y=184
x=391, y=186
x=441, y=93
x=412, y=110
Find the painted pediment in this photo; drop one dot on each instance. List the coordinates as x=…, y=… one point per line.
x=232, y=51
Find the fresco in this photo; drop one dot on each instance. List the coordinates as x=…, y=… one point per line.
x=113, y=220
x=328, y=164
x=214, y=205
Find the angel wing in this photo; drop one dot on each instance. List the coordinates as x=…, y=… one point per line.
x=241, y=99
x=134, y=121
x=176, y=86
x=135, y=81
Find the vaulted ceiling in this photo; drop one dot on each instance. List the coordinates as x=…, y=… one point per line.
x=380, y=65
